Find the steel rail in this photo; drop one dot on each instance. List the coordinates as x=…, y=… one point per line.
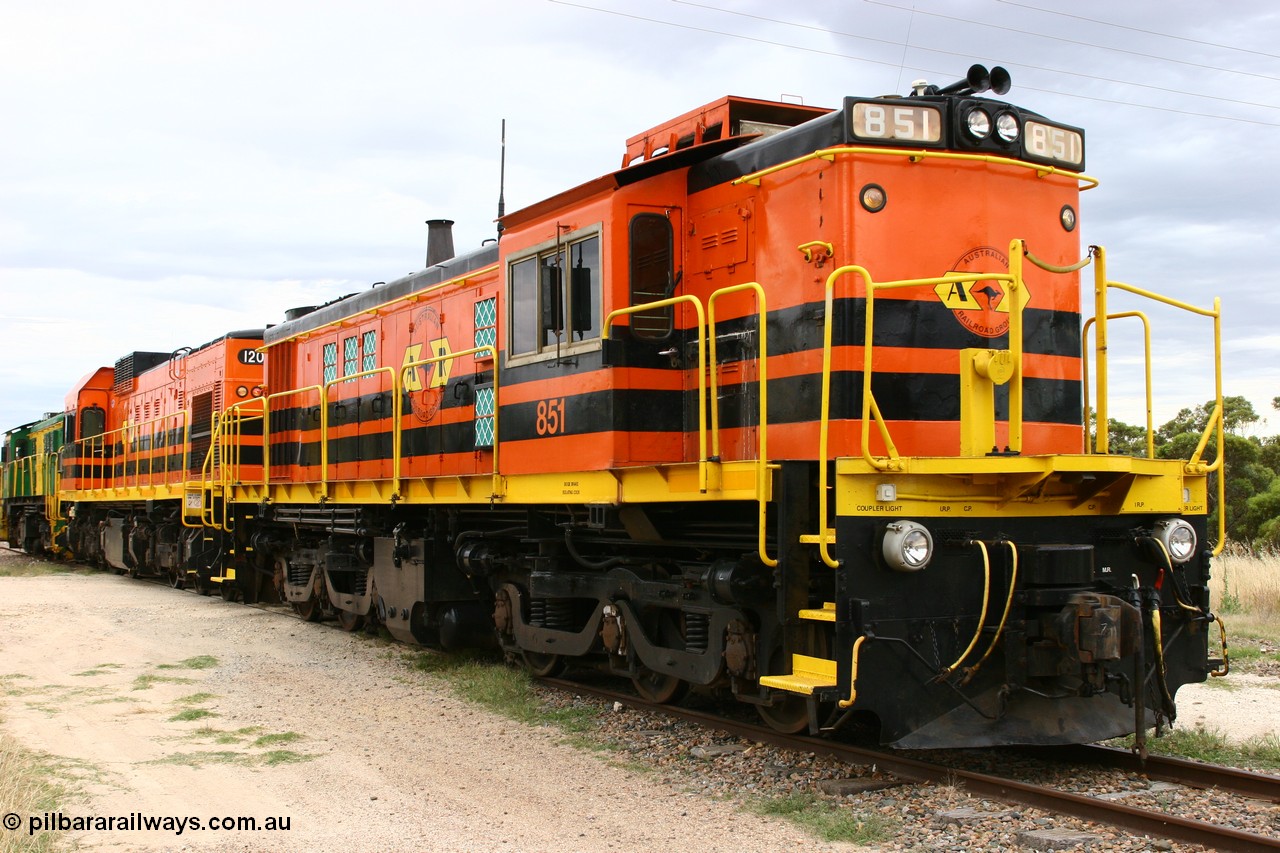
x=1167, y=768
x=1146, y=822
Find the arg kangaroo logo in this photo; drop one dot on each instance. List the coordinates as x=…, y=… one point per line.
x=982, y=307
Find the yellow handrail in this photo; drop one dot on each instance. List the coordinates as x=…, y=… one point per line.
x=266, y=432
x=915, y=155
x=127, y=435
x=853, y=674
x=762, y=439
x=324, y=420
x=702, y=367
x=226, y=441
x=1194, y=466
x=398, y=385
x=1146, y=348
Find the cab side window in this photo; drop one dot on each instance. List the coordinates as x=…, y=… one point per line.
x=555, y=295
x=652, y=274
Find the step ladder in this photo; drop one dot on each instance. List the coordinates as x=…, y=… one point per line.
x=808, y=674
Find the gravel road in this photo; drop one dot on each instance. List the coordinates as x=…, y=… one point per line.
x=333, y=732
x=366, y=756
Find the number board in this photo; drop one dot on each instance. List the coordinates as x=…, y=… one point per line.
x=882, y=121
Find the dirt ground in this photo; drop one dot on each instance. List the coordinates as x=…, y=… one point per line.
x=366, y=758
x=330, y=731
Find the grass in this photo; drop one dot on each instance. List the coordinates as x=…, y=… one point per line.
x=827, y=820
x=1249, y=584
x=1206, y=744
x=28, y=786
x=195, y=699
x=191, y=714
x=270, y=758
x=501, y=689
x=32, y=567
x=146, y=682
x=197, y=662
x=100, y=669
x=278, y=738
x=225, y=738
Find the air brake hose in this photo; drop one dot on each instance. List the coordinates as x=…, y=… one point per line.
x=971, y=671
x=982, y=617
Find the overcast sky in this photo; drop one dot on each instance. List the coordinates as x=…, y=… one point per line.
x=171, y=171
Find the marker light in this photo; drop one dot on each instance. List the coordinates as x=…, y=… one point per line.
x=873, y=198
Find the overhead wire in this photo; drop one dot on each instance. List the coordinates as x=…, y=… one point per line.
x=855, y=58
x=1071, y=41
x=1142, y=30
x=893, y=43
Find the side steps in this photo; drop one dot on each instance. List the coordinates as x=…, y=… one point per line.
x=808, y=674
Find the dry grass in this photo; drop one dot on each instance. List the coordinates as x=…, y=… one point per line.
x=1248, y=584
x=27, y=787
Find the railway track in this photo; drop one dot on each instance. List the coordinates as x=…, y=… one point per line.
x=1149, y=822
x=1098, y=810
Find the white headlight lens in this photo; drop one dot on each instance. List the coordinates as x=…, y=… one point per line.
x=1178, y=538
x=979, y=124
x=908, y=547
x=1007, y=126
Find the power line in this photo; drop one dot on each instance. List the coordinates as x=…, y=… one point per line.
x=1071, y=41
x=1140, y=29
x=838, y=55
x=956, y=53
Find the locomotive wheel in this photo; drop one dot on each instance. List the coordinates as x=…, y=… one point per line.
x=202, y=584
x=542, y=665
x=350, y=622
x=309, y=610
x=177, y=578
x=657, y=687
x=660, y=688
x=789, y=716
x=229, y=591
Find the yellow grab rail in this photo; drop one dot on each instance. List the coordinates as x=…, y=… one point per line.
x=1146, y=349
x=396, y=441
x=702, y=366
x=266, y=432
x=324, y=421
x=762, y=439
x=1101, y=284
x=916, y=155
x=222, y=462
x=129, y=436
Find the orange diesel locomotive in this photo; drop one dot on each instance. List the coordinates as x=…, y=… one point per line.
x=792, y=407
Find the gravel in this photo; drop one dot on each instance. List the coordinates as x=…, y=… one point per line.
x=393, y=761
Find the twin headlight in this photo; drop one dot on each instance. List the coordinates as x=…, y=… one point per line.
x=979, y=123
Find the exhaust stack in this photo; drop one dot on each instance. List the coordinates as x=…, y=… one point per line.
x=439, y=241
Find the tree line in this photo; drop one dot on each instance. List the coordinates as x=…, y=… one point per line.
x=1252, y=467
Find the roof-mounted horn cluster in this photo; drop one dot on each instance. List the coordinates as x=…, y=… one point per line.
x=977, y=81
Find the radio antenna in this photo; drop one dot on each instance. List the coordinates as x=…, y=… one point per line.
x=502, y=178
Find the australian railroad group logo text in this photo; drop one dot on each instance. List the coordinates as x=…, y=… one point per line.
x=982, y=306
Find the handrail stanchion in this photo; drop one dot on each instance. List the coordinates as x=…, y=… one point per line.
x=762, y=450
x=496, y=490
x=702, y=367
